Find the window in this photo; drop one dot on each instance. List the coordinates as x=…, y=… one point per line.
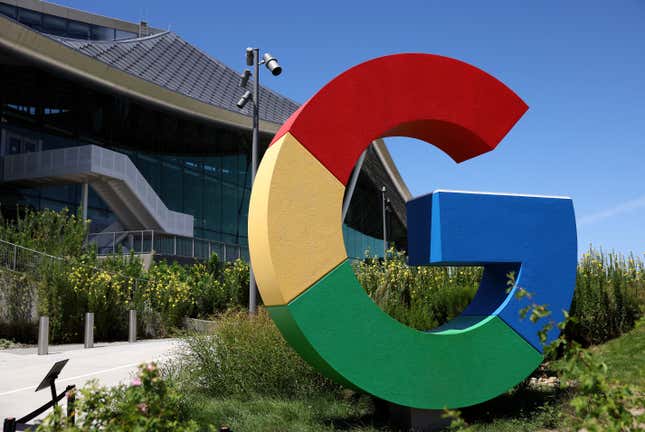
x=9, y=11
x=78, y=30
x=54, y=25
x=18, y=143
x=102, y=33
x=30, y=18
x=14, y=145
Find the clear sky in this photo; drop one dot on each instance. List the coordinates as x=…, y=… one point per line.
x=579, y=65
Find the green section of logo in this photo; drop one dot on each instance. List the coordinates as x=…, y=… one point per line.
x=339, y=330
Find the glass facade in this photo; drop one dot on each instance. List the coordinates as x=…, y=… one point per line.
x=214, y=189
x=59, y=26
x=359, y=245
x=196, y=167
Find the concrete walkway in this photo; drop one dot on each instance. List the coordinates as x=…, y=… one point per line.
x=21, y=370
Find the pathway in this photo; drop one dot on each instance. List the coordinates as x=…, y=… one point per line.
x=21, y=370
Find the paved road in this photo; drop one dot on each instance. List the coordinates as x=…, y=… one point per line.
x=21, y=370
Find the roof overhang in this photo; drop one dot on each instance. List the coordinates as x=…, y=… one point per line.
x=77, y=15
x=48, y=52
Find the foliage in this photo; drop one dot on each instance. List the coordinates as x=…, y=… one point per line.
x=600, y=404
x=147, y=404
x=244, y=357
x=625, y=356
x=264, y=414
x=8, y=344
x=594, y=401
x=162, y=296
x=17, y=303
x=609, y=297
x=94, y=287
x=420, y=297
x=58, y=233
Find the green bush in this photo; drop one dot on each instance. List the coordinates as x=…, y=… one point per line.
x=58, y=301
x=58, y=233
x=18, y=295
x=147, y=404
x=246, y=357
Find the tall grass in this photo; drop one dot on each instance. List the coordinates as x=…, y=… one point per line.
x=246, y=357
x=609, y=296
x=420, y=297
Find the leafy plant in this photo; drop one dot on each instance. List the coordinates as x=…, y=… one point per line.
x=147, y=404
x=244, y=357
x=58, y=233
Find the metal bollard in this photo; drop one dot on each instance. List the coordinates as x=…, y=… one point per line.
x=132, y=326
x=89, y=330
x=43, y=335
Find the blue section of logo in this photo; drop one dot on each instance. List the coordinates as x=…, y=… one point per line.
x=533, y=237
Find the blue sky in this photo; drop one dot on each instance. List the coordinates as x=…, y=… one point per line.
x=579, y=65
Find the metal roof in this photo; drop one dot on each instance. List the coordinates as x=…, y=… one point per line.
x=169, y=61
x=166, y=62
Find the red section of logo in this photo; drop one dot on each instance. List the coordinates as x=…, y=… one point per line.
x=460, y=109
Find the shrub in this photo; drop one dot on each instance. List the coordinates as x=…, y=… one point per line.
x=57, y=300
x=420, y=297
x=245, y=357
x=58, y=233
x=109, y=294
x=17, y=306
x=148, y=404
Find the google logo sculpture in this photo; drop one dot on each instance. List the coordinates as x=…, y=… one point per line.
x=300, y=262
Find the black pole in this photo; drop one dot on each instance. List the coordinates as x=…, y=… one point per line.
x=253, y=290
x=9, y=425
x=52, y=387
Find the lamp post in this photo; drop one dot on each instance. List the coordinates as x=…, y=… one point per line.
x=383, y=198
x=271, y=63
